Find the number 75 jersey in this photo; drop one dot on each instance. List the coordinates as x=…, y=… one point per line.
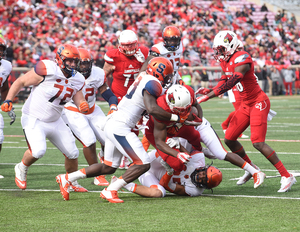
x=47, y=99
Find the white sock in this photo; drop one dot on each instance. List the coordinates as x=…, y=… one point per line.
x=76, y=176
x=250, y=169
x=119, y=183
x=130, y=187
x=23, y=167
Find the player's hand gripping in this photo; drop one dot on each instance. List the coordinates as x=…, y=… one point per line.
x=183, y=157
x=202, y=91
x=202, y=99
x=173, y=142
x=196, y=122
x=84, y=107
x=113, y=108
x=6, y=106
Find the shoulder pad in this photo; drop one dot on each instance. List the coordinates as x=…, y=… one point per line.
x=40, y=69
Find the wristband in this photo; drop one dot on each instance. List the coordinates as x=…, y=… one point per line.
x=174, y=118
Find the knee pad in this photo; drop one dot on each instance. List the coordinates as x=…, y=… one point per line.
x=73, y=154
x=160, y=188
x=38, y=154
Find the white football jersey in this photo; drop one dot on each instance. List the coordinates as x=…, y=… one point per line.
x=5, y=70
x=173, y=56
x=46, y=100
x=183, y=178
x=131, y=108
x=92, y=84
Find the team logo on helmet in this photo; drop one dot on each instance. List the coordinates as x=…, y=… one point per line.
x=171, y=98
x=228, y=38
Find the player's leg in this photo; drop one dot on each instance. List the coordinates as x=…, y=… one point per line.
x=258, y=124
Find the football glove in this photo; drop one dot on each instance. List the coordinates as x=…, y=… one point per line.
x=183, y=157
x=12, y=116
x=202, y=99
x=6, y=106
x=202, y=91
x=173, y=142
x=84, y=107
x=113, y=108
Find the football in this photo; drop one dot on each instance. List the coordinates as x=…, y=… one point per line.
x=193, y=111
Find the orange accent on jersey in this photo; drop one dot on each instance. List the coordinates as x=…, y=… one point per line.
x=58, y=80
x=40, y=69
x=156, y=154
x=145, y=143
x=154, y=186
x=83, y=171
x=91, y=110
x=164, y=181
x=154, y=49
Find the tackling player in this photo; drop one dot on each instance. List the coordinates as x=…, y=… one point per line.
x=54, y=84
x=140, y=98
x=238, y=70
x=84, y=126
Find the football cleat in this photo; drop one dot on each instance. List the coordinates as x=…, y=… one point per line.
x=64, y=185
x=100, y=181
x=259, y=178
x=247, y=176
x=242, y=136
x=111, y=196
x=286, y=183
x=20, y=177
x=77, y=187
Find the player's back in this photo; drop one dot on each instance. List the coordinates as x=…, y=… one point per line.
x=131, y=108
x=250, y=91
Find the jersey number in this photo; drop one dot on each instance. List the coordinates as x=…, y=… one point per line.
x=89, y=92
x=127, y=77
x=133, y=87
x=68, y=93
x=175, y=62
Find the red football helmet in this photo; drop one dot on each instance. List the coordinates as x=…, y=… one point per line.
x=128, y=42
x=86, y=62
x=179, y=99
x=212, y=177
x=162, y=69
x=172, y=38
x=67, y=52
x=2, y=45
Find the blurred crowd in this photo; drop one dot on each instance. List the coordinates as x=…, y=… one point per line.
x=34, y=31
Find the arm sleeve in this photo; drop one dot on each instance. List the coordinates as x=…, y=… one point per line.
x=110, y=97
x=229, y=84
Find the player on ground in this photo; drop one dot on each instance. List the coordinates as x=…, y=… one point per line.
x=175, y=100
x=5, y=70
x=238, y=70
x=54, y=84
x=125, y=63
x=140, y=98
x=84, y=126
x=189, y=182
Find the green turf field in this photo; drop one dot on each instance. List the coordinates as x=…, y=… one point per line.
x=229, y=208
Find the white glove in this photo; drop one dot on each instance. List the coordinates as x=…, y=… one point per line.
x=183, y=157
x=173, y=142
x=167, y=167
x=12, y=115
x=139, y=56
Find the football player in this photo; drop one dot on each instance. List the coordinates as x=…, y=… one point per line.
x=189, y=182
x=238, y=70
x=124, y=63
x=171, y=48
x=140, y=98
x=5, y=70
x=176, y=100
x=82, y=125
x=54, y=84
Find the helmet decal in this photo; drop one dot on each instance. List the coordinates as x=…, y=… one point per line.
x=228, y=38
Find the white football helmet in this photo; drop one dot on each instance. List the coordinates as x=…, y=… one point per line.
x=128, y=42
x=179, y=99
x=225, y=44
x=240, y=45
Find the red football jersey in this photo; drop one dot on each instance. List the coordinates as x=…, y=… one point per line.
x=250, y=91
x=126, y=70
